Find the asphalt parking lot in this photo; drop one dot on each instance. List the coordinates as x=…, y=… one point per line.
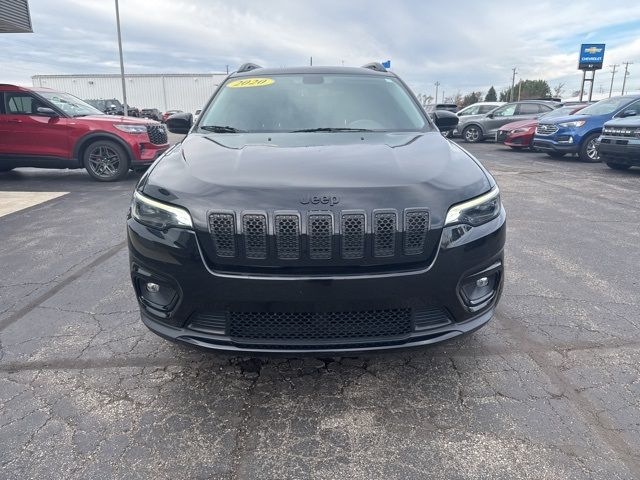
x=550, y=389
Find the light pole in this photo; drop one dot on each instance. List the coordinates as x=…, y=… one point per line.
x=125, y=108
x=437, y=84
x=626, y=73
x=513, y=84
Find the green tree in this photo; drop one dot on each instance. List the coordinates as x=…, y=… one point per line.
x=491, y=95
x=526, y=89
x=470, y=99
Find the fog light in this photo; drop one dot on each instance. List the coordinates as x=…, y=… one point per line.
x=153, y=287
x=479, y=290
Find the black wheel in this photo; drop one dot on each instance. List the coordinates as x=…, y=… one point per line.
x=472, y=134
x=106, y=161
x=556, y=154
x=618, y=166
x=588, y=149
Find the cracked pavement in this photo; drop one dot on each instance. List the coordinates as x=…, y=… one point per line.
x=549, y=389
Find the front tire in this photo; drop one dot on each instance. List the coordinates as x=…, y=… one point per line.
x=472, y=134
x=618, y=166
x=588, y=151
x=106, y=161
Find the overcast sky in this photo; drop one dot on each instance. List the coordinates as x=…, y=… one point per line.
x=465, y=45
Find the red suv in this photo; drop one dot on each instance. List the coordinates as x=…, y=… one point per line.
x=40, y=127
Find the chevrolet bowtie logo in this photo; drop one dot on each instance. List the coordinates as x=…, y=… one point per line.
x=592, y=50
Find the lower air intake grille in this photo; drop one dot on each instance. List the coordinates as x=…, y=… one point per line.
x=320, y=325
x=320, y=232
x=254, y=227
x=416, y=225
x=209, y=322
x=427, y=318
x=223, y=232
x=353, y=231
x=288, y=236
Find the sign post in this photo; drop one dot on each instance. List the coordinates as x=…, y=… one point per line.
x=591, y=59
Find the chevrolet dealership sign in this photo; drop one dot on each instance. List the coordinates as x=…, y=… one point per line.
x=591, y=56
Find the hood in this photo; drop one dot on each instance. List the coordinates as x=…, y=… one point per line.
x=593, y=120
x=118, y=119
x=532, y=122
x=280, y=171
x=624, y=122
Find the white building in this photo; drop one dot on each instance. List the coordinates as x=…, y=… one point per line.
x=164, y=91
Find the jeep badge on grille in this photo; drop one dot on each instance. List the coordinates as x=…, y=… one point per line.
x=330, y=200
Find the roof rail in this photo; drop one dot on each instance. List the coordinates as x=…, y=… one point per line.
x=247, y=67
x=375, y=66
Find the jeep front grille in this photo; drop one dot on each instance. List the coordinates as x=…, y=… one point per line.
x=157, y=134
x=349, y=235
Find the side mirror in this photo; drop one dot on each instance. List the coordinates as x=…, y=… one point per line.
x=489, y=115
x=626, y=113
x=180, y=123
x=47, y=112
x=445, y=120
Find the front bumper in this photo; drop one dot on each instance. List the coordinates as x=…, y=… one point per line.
x=625, y=153
x=203, y=305
x=562, y=141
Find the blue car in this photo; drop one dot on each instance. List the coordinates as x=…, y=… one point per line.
x=579, y=133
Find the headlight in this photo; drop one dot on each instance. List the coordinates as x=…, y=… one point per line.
x=157, y=214
x=577, y=123
x=521, y=130
x=131, y=128
x=476, y=211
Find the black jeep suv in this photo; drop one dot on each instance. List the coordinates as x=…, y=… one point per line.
x=315, y=209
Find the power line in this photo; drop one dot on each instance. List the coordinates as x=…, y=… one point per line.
x=624, y=78
x=613, y=74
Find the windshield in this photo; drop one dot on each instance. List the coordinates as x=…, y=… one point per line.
x=604, y=107
x=561, y=112
x=316, y=102
x=70, y=105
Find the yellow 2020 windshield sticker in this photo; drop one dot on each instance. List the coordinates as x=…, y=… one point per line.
x=251, y=82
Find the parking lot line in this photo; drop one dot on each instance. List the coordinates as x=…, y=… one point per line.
x=11, y=202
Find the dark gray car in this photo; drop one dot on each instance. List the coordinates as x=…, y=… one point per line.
x=475, y=128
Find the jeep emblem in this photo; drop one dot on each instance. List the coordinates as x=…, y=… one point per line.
x=330, y=200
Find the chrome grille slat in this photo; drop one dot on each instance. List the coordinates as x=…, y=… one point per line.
x=384, y=234
x=287, y=231
x=254, y=228
x=223, y=232
x=546, y=129
x=320, y=233
x=353, y=234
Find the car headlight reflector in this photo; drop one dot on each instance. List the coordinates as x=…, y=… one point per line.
x=476, y=211
x=130, y=128
x=522, y=130
x=577, y=123
x=159, y=215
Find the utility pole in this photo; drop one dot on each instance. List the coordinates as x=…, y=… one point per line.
x=442, y=96
x=437, y=84
x=311, y=61
x=624, y=79
x=519, y=89
x=513, y=83
x=613, y=74
x=125, y=107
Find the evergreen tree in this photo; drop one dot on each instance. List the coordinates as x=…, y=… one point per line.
x=491, y=95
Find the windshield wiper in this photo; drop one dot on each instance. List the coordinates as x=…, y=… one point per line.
x=333, y=129
x=221, y=129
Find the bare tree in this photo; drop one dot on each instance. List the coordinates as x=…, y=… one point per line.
x=558, y=89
